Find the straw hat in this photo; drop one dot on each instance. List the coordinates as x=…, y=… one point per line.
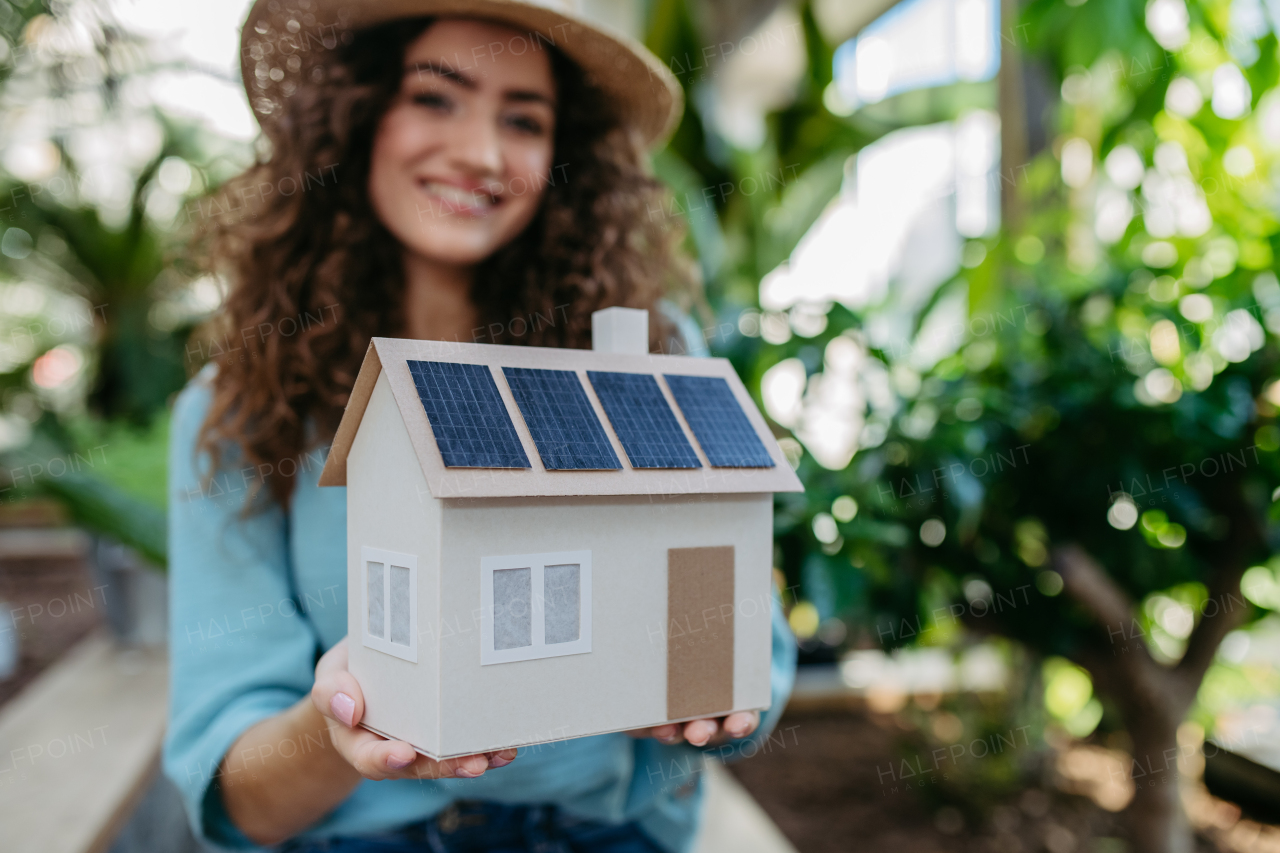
x=286, y=41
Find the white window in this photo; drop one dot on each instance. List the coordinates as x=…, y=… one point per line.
x=535, y=606
x=390, y=602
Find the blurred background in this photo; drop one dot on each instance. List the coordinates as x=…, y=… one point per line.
x=1000, y=273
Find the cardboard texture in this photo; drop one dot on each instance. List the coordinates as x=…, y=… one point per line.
x=622, y=683
x=335, y=467
x=620, y=567
x=700, y=606
x=388, y=506
x=623, y=330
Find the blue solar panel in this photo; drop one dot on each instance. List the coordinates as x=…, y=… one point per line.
x=560, y=419
x=649, y=432
x=718, y=422
x=467, y=415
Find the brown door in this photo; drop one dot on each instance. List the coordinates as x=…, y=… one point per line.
x=699, y=631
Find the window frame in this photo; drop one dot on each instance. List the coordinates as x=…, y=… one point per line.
x=388, y=559
x=538, y=648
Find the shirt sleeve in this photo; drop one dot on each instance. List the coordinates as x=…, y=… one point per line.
x=240, y=650
x=689, y=339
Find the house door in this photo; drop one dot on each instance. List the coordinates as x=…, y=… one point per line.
x=699, y=631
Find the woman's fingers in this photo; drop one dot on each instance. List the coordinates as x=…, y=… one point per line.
x=335, y=658
x=741, y=724
x=732, y=727
x=422, y=767
x=700, y=732
x=337, y=696
x=706, y=731
x=466, y=768
x=669, y=733
x=336, y=693
x=376, y=758
x=501, y=758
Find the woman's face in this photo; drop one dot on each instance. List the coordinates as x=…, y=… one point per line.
x=463, y=156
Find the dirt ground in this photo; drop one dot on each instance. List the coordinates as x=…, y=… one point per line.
x=825, y=781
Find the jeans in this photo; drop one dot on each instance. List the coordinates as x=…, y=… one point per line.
x=480, y=827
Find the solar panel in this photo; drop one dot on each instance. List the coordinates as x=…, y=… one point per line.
x=560, y=419
x=718, y=422
x=649, y=432
x=467, y=415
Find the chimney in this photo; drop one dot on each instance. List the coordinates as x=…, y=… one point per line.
x=623, y=330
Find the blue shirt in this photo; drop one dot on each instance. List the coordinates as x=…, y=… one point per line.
x=254, y=598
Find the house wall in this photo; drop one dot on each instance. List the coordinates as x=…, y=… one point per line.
x=390, y=507
x=621, y=684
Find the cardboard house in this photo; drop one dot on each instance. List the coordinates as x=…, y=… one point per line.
x=551, y=543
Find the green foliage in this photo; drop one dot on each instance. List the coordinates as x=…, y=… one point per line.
x=119, y=272
x=92, y=500
x=135, y=458
x=1046, y=420
x=100, y=285
x=1038, y=447
x=1085, y=387
x=14, y=18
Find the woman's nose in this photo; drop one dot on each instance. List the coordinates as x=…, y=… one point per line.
x=477, y=147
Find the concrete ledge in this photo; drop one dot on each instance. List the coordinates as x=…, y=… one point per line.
x=734, y=822
x=78, y=747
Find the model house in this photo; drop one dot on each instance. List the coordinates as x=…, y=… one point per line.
x=551, y=543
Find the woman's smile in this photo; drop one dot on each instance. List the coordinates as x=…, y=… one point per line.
x=462, y=198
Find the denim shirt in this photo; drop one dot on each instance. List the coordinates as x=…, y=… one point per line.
x=255, y=598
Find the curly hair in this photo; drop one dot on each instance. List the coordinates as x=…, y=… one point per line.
x=305, y=261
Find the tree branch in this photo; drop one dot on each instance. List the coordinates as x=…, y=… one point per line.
x=1225, y=608
x=1091, y=587
x=1145, y=682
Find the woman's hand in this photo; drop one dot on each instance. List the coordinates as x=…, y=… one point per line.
x=707, y=732
x=337, y=696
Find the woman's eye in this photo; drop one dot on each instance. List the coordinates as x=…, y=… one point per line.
x=526, y=124
x=432, y=100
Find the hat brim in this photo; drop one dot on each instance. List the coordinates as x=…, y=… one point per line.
x=647, y=94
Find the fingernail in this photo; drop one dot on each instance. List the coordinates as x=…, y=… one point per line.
x=395, y=762
x=499, y=761
x=343, y=707
x=700, y=736
x=465, y=773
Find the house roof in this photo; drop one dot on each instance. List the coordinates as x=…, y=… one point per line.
x=394, y=357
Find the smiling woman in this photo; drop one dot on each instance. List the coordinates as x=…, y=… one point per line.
x=506, y=180
x=453, y=187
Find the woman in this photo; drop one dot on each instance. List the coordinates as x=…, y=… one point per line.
x=452, y=174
